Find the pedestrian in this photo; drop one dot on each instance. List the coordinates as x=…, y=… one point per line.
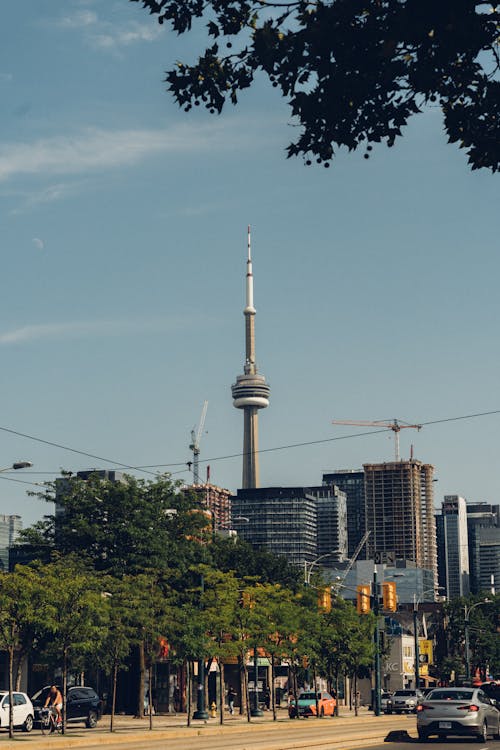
x=230, y=699
x=267, y=698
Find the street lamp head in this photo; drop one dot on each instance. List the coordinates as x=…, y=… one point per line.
x=22, y=465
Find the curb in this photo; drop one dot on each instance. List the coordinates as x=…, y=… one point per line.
x=373, y=731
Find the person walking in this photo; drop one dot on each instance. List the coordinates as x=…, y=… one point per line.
x=231, y=695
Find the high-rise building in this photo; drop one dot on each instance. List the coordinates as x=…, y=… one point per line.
x=10, y=526
x=300, y=523
x=331, y=521
x=250, y=392
x=352, y=482
x=217, y=501
x=483, y=523
x=453, y=551
x=400, y=511
x=282, y=520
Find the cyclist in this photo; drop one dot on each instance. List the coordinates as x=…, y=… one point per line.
x=54, y=699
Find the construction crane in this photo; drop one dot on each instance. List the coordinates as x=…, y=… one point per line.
x=195, y=443
x=396, y=426
x=338, y=584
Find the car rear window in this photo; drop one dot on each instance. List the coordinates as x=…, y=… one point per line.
x=450, y=695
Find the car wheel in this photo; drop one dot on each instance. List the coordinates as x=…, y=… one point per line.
x=496, y=735
x=28, y=723
x=422, y=735
x=483, y=736
x=91, y=720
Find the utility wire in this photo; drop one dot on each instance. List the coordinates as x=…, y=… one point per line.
x=75, y=450
x=288, y=446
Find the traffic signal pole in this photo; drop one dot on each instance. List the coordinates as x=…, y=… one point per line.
x=375, y=607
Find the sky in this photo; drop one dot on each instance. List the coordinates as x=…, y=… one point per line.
x=123, y=241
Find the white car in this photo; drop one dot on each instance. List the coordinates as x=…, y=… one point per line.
x=458, y=711
x=23, y=711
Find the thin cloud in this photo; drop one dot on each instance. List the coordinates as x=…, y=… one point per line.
x=38, y=243
x=46, y=195
x=104, y=35
x=91, y=329
x=77, y=20
x=115, y=38
x=101, y=149
x=6, y=77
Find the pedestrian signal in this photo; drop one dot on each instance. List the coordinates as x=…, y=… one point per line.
x=363, y=600
x=389, y=597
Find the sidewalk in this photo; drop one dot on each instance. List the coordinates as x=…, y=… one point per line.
x=133, y=731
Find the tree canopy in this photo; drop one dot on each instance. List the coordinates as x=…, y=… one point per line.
x=352, y=71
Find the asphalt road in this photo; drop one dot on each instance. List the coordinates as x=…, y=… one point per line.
x=325, y=734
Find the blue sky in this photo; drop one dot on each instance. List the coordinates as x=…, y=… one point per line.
x=123, y=235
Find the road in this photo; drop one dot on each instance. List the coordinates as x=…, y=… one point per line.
x=341, y=733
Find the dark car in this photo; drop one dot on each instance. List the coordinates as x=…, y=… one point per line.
x=82, y=704
x=492, y=690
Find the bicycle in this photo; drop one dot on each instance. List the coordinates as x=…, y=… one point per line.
x=48, y=721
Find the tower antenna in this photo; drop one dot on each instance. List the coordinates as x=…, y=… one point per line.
x=251, y=391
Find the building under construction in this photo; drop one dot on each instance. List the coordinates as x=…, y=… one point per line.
x=217, y=501
x=399, y=503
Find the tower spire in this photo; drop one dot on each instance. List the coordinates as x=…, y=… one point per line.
x=250, y=392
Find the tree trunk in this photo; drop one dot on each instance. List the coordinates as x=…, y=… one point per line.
x=247, y=692
x=11, y=695
x=221, y=691
x=315, y=691
x=295, y=691
x=64, y=687
x=336, y=710
x=18, y=670
x=139, y=711
x=356, y=696
x=150, y=696
x=113, y=696
x=273, y=691
x=242, y=690
x=188, y=691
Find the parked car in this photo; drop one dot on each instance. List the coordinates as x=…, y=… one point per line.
x=492, y=690
x=82, y=704
x=23, y=711
x=306, y=704
x=404, y=701
x=385, y=698
x=458, y=711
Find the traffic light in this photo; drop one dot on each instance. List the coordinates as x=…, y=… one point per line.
x=363, y=599
x=389, y=597
x=325, y=599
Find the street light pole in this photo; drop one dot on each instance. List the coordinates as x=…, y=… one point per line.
x=308, y=571
x=200, y=712
x=375, y=607
x=417, y=645
x=256, y=711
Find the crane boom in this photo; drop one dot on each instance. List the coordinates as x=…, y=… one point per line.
x=195, y=443
x=353, y=559
x=396, y=426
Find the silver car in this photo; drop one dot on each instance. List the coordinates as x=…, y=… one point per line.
x=458, y=711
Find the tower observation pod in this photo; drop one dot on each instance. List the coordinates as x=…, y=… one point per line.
x=250, y=392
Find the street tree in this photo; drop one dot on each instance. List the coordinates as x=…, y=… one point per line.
x=122, y=527
x=22, y=611
x=75, y=615
x=353, y=72
x=124, y=597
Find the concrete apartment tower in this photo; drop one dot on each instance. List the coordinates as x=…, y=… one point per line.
x=399, y=502
x=250, y=392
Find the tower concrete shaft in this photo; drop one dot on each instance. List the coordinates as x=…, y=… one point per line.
x=250, y=392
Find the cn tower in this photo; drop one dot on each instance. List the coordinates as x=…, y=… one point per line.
x=250, y=392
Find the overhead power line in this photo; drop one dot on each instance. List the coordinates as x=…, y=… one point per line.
x=288, y=446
